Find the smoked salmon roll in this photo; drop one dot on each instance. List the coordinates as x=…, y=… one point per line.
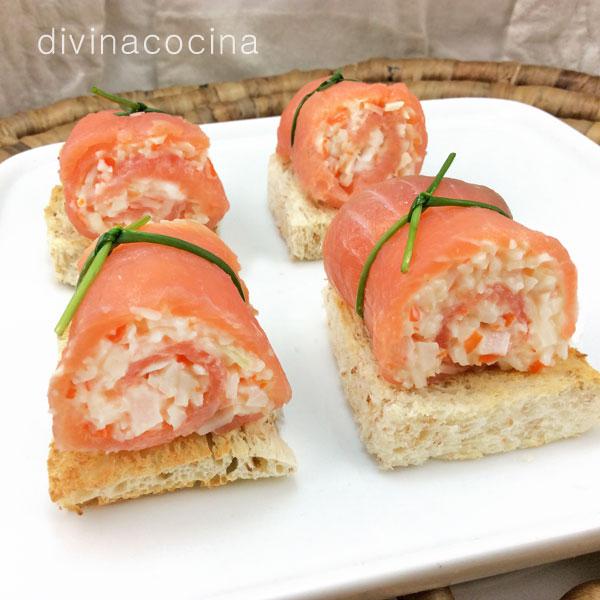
x=162, y=346
x=166, y=379
x=350, y=135
x=481, y=289
x=334, y=141
x=451, y=323
x=116, y=169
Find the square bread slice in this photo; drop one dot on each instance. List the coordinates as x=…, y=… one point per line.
x=254, y=451
x=466, y=416
x=302, y=224
x=65, y=242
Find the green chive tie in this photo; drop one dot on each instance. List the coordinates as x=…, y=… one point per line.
x=108, y=241
x=336, y=77
x=128, y=107
x=421, y=203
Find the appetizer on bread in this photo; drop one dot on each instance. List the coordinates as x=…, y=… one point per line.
x=451, y=324
x=334, y=137
x=166, y=379
x=116, y=167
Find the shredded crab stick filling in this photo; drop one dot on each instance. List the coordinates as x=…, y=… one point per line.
x=481, y=289
x=174, y=351
x=116, y=169
x=352, y=134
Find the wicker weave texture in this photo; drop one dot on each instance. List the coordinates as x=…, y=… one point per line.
x=571, y=96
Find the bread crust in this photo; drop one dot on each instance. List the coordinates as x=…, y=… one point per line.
x=254, y=451
x=66, y=244
x=460, y=417
x=301, y=222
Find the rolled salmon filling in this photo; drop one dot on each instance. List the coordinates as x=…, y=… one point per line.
x=351, y=135
x=354, y=140
x=164, y=371
x=481, y=289
x=504, y=307
x=105, y=200
x=116, y=169
x=164, y=344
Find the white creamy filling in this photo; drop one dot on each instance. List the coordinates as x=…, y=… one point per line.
x=148, y=195
x=165, y=388
x=504, y=307
x=345, y=158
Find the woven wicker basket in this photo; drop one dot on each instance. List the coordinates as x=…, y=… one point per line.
x=571, y=96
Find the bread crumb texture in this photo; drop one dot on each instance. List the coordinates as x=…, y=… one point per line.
x=65, y=243
x=302, y=224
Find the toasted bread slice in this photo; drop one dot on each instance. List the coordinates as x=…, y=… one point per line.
x=301, y=222
x=65, y=243
x=254, y=451
x=464, y=416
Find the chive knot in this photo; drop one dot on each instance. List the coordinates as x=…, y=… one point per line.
x=109, y=237
x=421, y=203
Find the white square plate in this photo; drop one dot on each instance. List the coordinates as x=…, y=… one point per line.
x=340, y=526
